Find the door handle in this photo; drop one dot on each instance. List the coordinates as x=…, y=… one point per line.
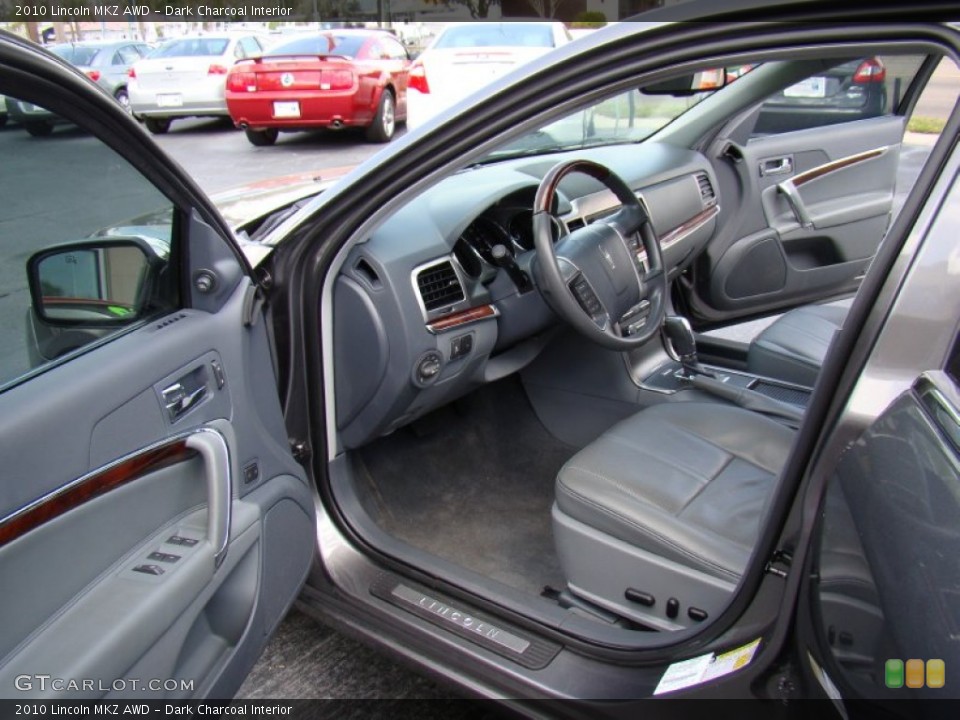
x=177, y=399
x=776, y=166
x=216, y=464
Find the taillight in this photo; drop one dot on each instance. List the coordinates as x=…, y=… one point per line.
x=418, y=79
x=871, y=70
x=217, y=69
x=336, y=80
x=242, y=82
x=132, y=73
x=93, y=75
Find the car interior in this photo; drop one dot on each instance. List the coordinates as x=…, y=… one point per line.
x=521, y=409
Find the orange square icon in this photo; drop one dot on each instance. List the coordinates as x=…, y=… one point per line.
x=915, y=673
x=936, y=673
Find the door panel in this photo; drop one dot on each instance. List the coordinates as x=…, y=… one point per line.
x=154, y=525
x=814, y=207
x=817, y=204
x=78, y=608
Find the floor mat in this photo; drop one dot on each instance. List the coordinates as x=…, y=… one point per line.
x=473, y=483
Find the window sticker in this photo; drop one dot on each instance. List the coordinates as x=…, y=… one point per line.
x=705, y=668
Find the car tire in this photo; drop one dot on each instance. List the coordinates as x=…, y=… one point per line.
x=38, y=129
x=158, y=126
x=123, y=98
x=262, y=138
x=3, y=120
x=385, y=120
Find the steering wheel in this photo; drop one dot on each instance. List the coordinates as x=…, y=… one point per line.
x=594, y=278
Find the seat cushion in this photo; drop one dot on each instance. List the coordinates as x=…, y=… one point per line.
x=794, y=346
x=685, y=481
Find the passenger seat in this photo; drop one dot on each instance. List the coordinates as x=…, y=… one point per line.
x=794, y=346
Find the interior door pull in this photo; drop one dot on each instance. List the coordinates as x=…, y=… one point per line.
x=216, y=461
x=776, y=166
x=789, y=191
x=177, y=398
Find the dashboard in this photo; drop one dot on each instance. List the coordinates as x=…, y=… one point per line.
x=442, y=297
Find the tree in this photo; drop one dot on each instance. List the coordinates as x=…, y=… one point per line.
x=476, y=8
x=545, y=8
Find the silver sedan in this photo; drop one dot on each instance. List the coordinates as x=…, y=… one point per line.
x=186, y=77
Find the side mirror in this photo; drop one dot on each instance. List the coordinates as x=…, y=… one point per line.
x=93, y=283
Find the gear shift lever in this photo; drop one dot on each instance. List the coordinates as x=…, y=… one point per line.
x=680, y=335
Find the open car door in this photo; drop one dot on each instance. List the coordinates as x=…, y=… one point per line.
x=154, y=526
x=809, y=180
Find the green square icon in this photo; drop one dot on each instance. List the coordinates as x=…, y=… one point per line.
x=893, y=673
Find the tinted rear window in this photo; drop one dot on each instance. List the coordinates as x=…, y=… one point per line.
x=326, y=44
x=76, y=54
x=496, y=35
x=193, y=47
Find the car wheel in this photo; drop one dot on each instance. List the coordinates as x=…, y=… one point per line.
x=262, y=138
x=3, y=120
x=158, y=126
x=123, y=98
x=39, y=129
x=385, y=121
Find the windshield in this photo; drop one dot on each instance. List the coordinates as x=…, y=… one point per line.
x=76, y=54
x=326, y=44
x=192, y=47
x=628, y=117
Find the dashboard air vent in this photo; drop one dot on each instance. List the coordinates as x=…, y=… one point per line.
x=706, y=189
x=439, y=286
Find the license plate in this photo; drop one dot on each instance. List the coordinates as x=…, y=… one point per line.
x=286, y=109
x=815, y=87
x=171, y=100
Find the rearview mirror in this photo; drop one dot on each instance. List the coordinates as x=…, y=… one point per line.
x=92, y=283
x=686, y=85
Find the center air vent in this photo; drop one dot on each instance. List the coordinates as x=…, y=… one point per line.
x=706, y=189
x=439, y=286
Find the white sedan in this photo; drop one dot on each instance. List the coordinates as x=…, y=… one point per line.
x=187, y=77
x=465, y=57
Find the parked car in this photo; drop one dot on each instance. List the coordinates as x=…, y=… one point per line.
x=452, y=405
x=104, y=62
x=335, y=79
x=3, y=112
x=851, y=91
x=186, y=77
x=467, y=56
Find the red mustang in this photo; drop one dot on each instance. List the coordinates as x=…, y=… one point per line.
x=334, y=79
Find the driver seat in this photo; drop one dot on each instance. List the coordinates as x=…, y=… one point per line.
x=656, y=519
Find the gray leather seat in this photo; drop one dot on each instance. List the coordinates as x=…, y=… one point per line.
x=667, y=504
x=794, y=346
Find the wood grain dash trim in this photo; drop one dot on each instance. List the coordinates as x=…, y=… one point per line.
x=689, y=226
x=827, y=168
x=93, y=486
x=480, y=312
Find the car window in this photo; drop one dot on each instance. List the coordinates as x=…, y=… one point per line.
x=73, y=190
x=76, y=54
x=193, y=47
x=127, y=55
x=393, y=49
x=250, y=47
x=324, y=44
x=496, y=35
x=855, y=90
x=629, y=116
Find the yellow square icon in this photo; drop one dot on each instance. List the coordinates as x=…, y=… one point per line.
x=914, y=673
x=936, y=673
